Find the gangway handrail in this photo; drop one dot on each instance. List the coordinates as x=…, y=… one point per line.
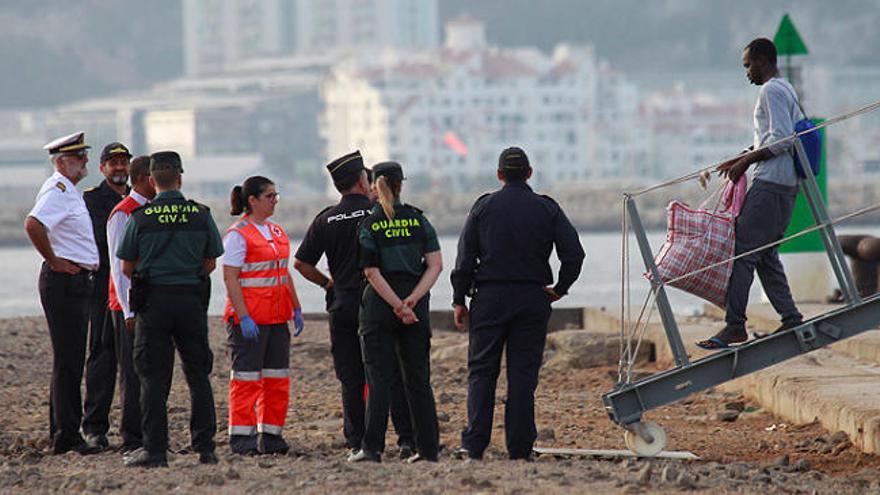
x=693, y=175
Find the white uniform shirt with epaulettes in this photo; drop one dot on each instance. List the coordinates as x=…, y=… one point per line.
x=61, y=209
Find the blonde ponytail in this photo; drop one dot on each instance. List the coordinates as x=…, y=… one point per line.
x=387, y=194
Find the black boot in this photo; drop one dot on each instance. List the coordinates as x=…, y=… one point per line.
x=208, y=457
x=243, y=444
x=268, y=443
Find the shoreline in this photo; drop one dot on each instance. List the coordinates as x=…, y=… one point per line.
x=591, y=208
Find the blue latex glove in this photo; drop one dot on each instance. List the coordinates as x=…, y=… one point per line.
x=298, y=322
x=249, y=329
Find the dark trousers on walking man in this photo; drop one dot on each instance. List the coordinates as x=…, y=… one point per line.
x=514, y=316
x=763, y=219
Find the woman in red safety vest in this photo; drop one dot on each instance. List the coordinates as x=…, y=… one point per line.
x=261, y=299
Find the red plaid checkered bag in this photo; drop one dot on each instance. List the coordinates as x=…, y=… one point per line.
x=696, y=238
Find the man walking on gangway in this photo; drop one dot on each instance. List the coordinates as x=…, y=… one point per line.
x=770, y=201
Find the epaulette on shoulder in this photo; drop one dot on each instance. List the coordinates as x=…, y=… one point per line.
x=480, y=200
x=199, y=205
x=548, y=197
x=416, y=208
x=61, y=187
x=91, y=189
x=325, y=210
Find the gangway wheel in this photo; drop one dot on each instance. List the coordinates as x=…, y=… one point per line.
x=635, y=435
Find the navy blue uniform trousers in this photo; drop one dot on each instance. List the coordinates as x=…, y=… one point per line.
x=763, y=219
x=65, y=300
x=513, y=316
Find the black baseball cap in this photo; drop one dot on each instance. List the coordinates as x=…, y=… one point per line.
x=165, y=160
x=513, y=158
x=113, y=149
x=391, y=170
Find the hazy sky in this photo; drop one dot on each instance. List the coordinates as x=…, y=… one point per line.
x=54, y=51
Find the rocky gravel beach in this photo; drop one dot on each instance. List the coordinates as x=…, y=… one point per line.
x=742, y=449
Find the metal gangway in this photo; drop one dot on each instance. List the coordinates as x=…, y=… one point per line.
x=629, y=400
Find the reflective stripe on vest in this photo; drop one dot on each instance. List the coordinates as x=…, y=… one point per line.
x=264, y=276
x=262, y=265
x=263, y=281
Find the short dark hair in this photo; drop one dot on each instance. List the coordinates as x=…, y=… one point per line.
x=346, y=183
x=764, y=48
x=165, y=178
x=139, y=168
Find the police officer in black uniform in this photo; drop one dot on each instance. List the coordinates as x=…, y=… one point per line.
x=101, y=364
x=59, y=228
x=334, y=233
x=168, y=249
x=400, y=256
x=503, y=264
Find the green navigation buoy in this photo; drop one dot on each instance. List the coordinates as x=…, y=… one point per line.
x=787, y=39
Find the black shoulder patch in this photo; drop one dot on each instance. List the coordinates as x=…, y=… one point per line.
x=198, y=205
x=417, y=209
x=480, y=200
x=551, y=199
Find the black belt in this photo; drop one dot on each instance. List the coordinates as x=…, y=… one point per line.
x=175, y=289
x=83, y=272
x=505, y=283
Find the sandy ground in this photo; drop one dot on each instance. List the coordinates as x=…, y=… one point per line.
x=755, y=452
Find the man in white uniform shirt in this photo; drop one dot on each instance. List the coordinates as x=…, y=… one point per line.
x=60, y=229
x=123, y=318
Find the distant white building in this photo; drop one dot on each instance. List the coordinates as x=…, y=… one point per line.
x=689, y=130
x=323, y=25
x=446, y=114
x=268, y=109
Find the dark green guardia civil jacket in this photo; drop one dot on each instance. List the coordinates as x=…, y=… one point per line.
x=152, y=225
x=397, y=246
